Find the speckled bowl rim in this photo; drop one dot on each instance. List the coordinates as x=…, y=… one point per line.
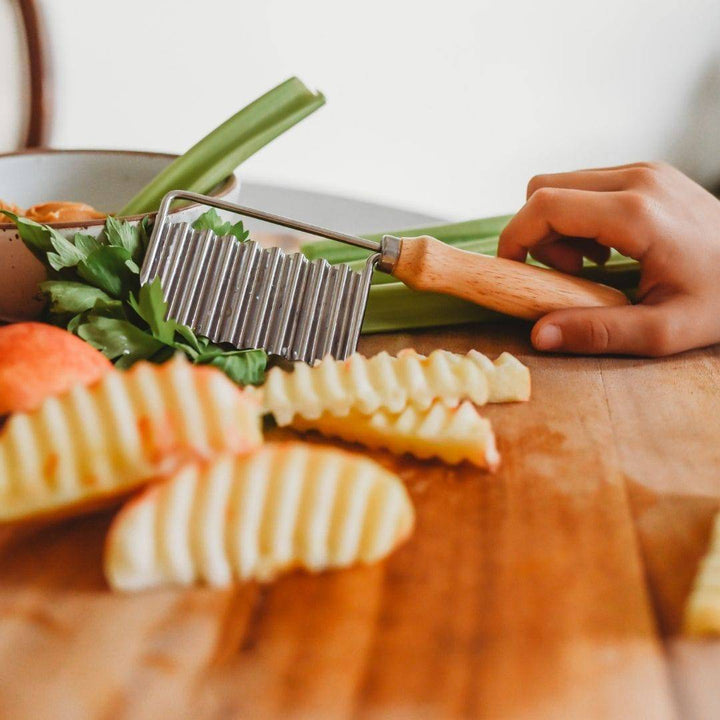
x=228, y=185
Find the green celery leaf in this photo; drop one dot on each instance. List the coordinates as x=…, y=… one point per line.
x=210, y=220
x=74, y=323
x=66, y=254
x=163, y=354
x=106, y=269
x=72, y=297
x=110, y=308
x=86, y=243
x=193, y=341
x=151, y=307
x=119, y=339
x=245, y=367
x=122, y=234
x=34, y=235
x=51, y=247
x=187, y=349
x=144, y=227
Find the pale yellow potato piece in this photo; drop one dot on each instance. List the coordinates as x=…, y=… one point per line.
x=702, y=610
x=383, y=382
x=451, y=434
x=285, y=505
x=96, y=442
x=508, y=379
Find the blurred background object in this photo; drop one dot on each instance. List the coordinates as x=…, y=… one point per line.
x=448, y=111
x=26, y=115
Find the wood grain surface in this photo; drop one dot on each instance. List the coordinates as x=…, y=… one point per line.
x=552, y=589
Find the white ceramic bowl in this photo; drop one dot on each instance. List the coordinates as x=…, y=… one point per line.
x=105, y=179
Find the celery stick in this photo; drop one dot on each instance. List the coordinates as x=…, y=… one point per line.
x=453, y=234
x=394, y=306
x=215, y=157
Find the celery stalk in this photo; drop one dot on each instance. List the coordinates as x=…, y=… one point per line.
x=454, y=234
x=394, y=306
x=215, y=157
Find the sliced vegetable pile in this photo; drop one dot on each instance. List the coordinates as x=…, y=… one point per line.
x=213, y=503
x=221, y=507
x=407, y=404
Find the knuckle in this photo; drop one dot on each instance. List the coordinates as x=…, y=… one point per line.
x=536, y=182
x=657, y=169
x=657, y=166
x=643, y=176
x=636, y=205
x=544, y=197
x=646, y=164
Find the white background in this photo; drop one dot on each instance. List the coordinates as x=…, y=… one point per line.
x=445, y=107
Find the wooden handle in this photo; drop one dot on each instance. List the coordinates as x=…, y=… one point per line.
x=508, y=286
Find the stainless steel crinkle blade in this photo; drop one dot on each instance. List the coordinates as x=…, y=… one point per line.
x=250, y=297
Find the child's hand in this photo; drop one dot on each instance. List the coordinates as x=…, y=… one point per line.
x=651, y=212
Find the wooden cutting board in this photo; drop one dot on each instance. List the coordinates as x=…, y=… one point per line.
x=552, y=589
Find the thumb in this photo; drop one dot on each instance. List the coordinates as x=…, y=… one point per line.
x=629, y=330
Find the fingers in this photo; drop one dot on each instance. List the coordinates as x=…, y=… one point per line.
x=652, y=330
x=611, y=218
x=605, y=206
x=559, y=255
x=592, y=250
x=567, y=254
x=611, y=179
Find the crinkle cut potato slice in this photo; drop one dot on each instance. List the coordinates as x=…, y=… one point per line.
x=452, y=434
x=81, y=448
x=286, y=505
x=383, y=382
x=702, y=611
